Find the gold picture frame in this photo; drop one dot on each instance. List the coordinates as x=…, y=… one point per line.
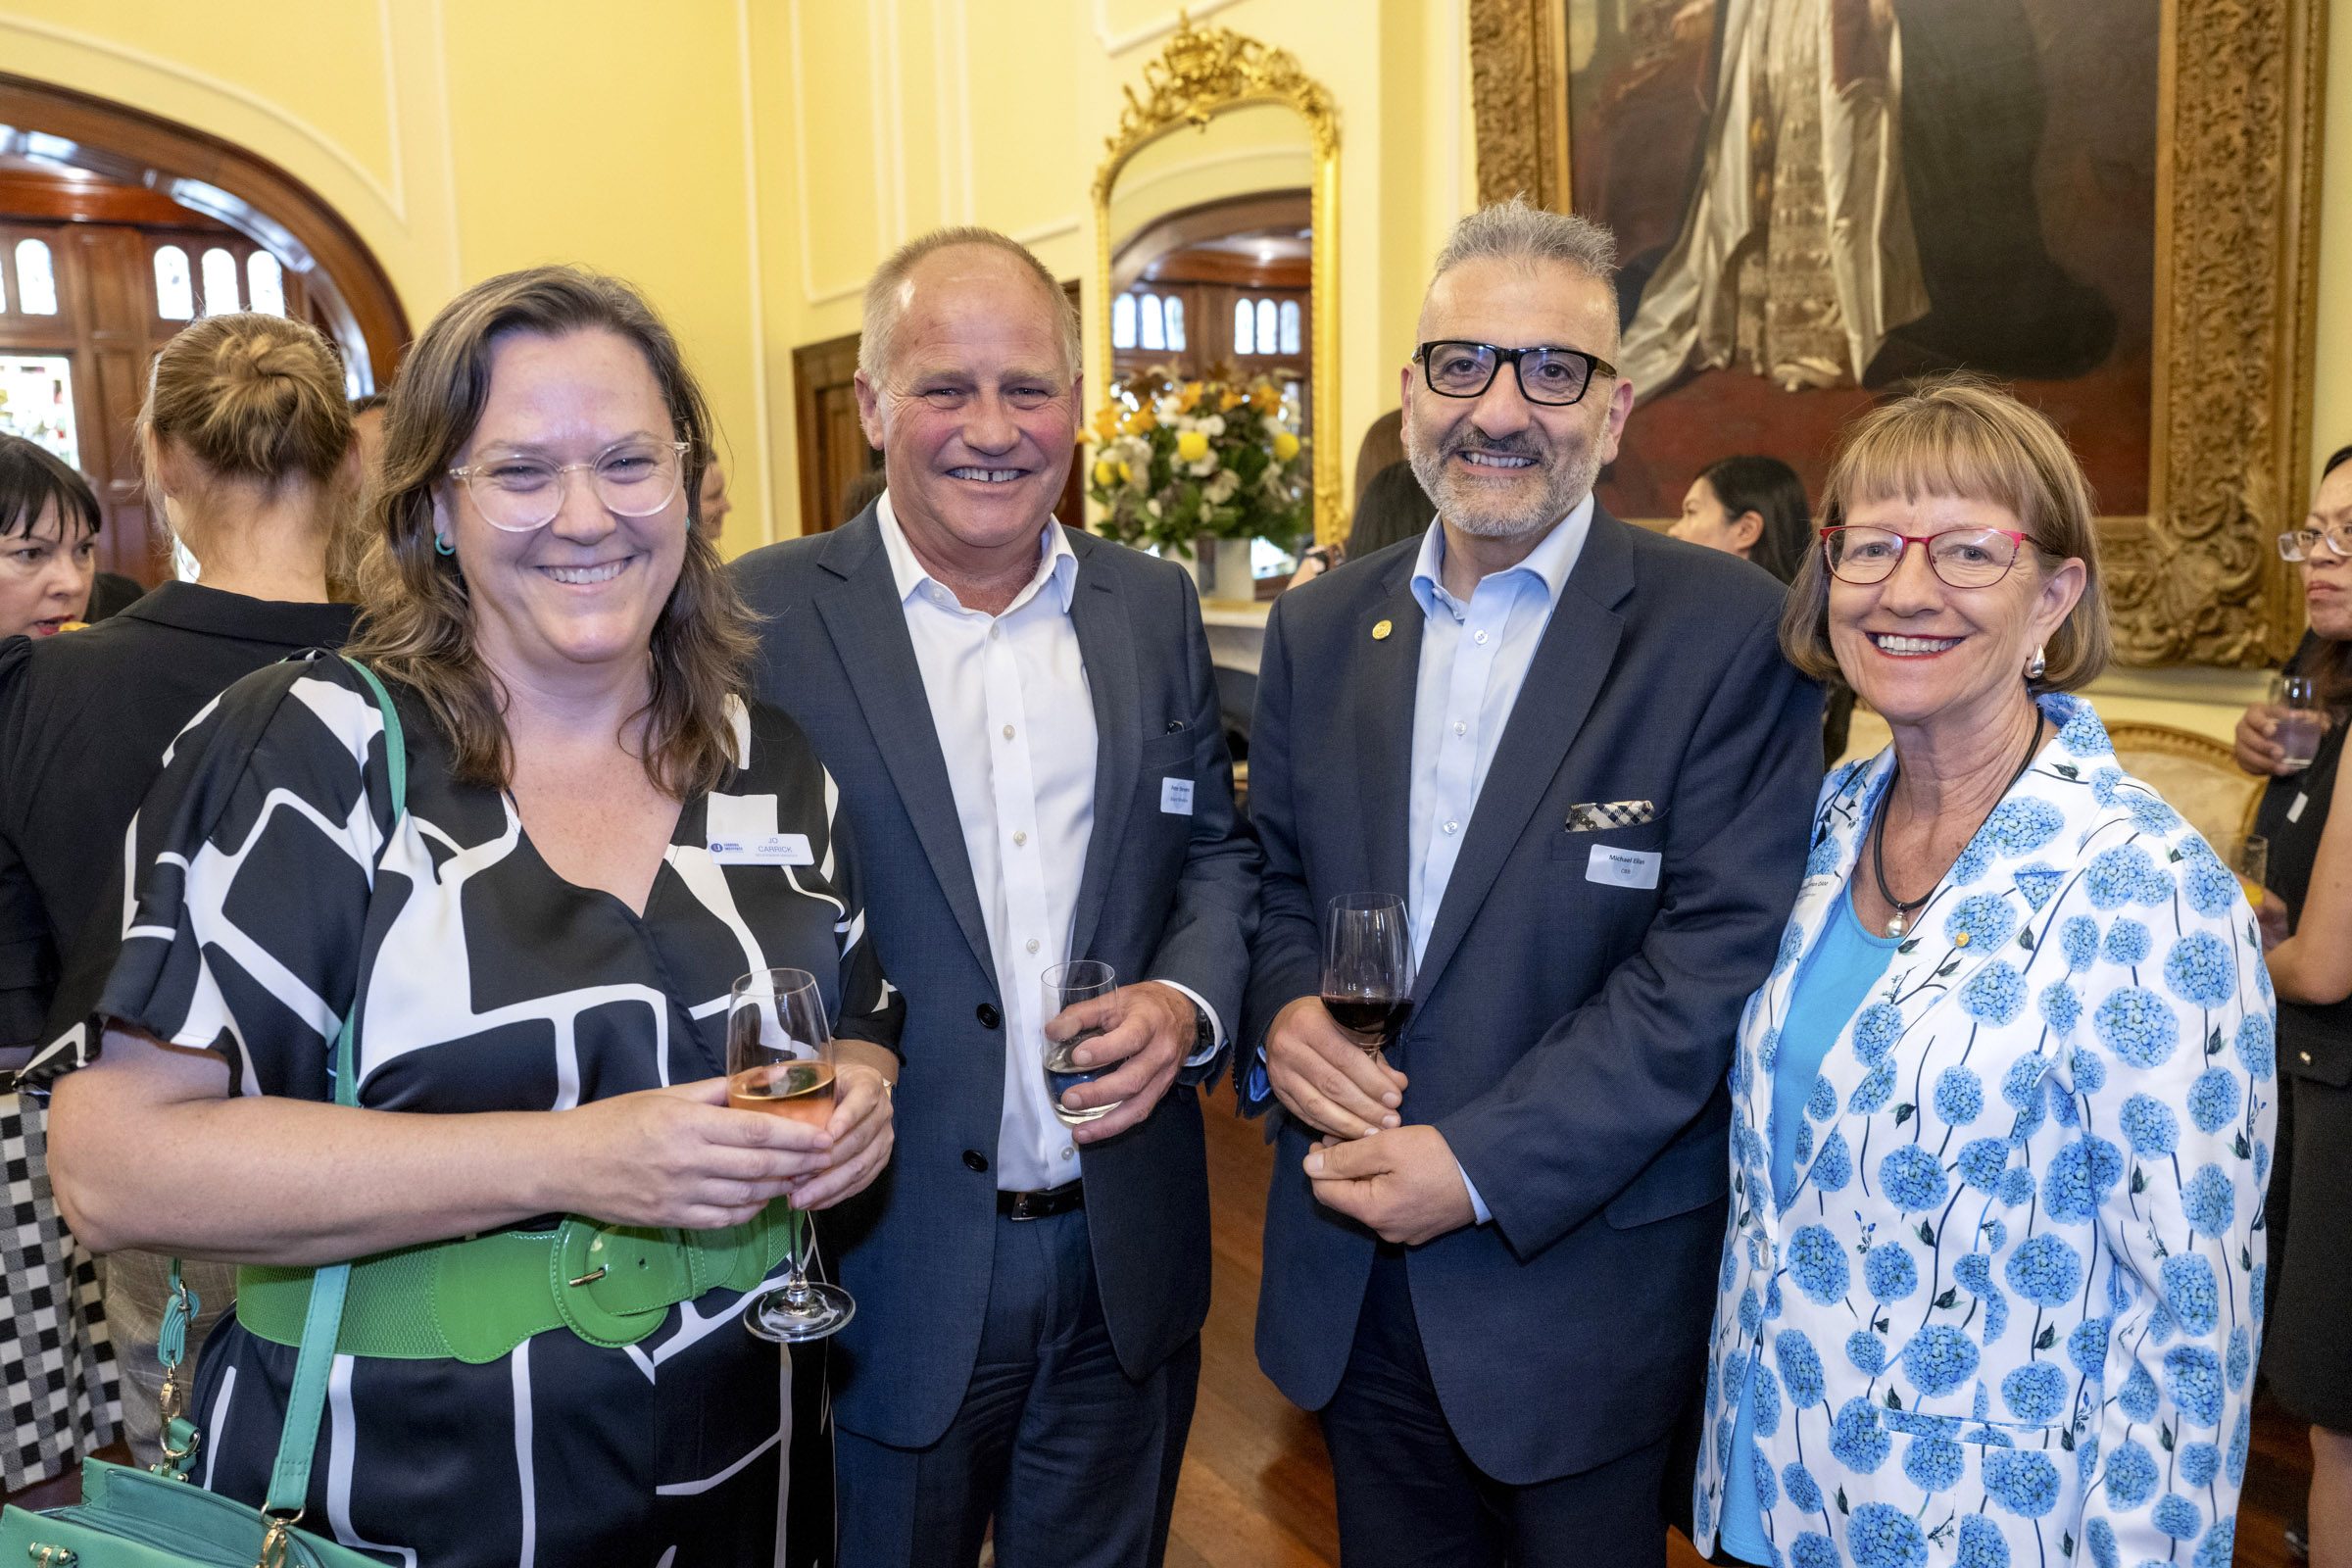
x=1202, y=72
x=2196, y=579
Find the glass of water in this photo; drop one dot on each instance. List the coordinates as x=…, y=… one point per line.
x=1066, y=984
x=2301, y=719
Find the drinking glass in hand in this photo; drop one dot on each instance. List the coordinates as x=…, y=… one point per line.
x=1368, y=967
x=1066, y=984
x=2301, y=721
x=780, y=1060
x=2249, y=856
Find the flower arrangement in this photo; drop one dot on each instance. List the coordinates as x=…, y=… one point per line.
x=1175, y=460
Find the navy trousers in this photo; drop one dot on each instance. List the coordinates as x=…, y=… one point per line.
x=1409, y=1496
x=1074, y=1461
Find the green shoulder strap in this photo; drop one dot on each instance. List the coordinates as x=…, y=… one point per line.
x=290, y=1477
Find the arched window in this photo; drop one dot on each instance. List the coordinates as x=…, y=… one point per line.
x=266, y=285
x=1289, y=327
x=220, y=281
x=1244, y=328
x=1175, y=323
x=1269, y=332
x=36, y=282
x=1122, y=322
x=1154, y=334
x=174, y=293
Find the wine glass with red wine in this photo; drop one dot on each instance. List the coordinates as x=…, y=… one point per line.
x=1368, y=967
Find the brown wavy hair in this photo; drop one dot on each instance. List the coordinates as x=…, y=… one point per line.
x=258, y=398
x=419, y=624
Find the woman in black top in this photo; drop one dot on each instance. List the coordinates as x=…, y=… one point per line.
x=247, y=443
x=2307, y=925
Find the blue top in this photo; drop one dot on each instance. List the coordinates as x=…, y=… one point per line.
x=1846, y=963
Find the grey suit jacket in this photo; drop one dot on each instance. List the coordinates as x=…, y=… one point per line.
x=1570, y=1037
x=1163, y=896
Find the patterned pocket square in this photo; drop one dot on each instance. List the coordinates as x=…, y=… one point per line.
x=1593, y=816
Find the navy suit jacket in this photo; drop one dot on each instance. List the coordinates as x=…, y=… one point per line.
x=1163, y=896
x=1570, y=1037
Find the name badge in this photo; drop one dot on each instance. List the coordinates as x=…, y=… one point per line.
x=1176, y=796
x=1624, y=868
x=743, y=832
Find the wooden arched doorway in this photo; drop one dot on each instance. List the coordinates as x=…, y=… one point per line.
x=121, y=226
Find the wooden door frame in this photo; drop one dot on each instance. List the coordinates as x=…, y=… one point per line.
x=241, y=189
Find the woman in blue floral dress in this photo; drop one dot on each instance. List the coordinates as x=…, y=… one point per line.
x=2003, y=1112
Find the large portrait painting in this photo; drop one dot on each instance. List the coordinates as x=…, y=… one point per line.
x=1816, y=200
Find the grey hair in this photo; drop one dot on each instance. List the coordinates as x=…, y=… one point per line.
x=884, y=290
x=1517, y=231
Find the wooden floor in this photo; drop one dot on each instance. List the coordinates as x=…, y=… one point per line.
x=1256, y=1484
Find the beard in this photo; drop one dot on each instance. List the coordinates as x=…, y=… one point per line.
x=1568, y=478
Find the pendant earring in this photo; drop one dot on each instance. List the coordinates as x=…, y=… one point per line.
x=2036, y=665
x=442, y=546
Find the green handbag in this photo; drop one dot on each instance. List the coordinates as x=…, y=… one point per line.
x=139, y=1519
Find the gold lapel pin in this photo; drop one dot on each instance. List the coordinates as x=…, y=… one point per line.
x=1381, y=630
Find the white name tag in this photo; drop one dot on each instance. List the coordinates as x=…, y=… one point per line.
x=775, y=849
x=1176, y=796
x=2294, y=812
x=743, y=832
x=1625, y=869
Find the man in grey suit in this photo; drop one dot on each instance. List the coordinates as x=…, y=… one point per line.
x=1572, y=747
x=1023, y=724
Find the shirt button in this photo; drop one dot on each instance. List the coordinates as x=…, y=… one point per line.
x=1009, y=732
x=1453, y=826
x=1479, y=637
x=1461, y=728
x=1069, y=1153
x=1033, y=944
x=1019, y=839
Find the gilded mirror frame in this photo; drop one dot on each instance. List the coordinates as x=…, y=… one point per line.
x=2195, y=580
x=1202, y=72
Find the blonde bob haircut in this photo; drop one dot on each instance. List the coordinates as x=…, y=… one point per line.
x=418, y=624
x=1960, y=435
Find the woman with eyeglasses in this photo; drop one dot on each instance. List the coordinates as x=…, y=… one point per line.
x=601, y=833
x=2002, y=1110
x=2307, y=926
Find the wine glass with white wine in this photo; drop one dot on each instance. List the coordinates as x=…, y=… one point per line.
x=780, y=1060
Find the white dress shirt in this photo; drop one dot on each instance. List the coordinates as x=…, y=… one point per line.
x=1015, y=721
x=1474, y=659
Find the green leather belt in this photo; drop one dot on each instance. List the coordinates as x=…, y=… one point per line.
x=477, y=1299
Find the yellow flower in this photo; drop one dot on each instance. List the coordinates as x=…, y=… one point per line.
x=1191, y=445
x=1233, y=399
x=1106, y=421
x=1264, y=398
x=1286, y=445
x=1189, y=396
x=1142, y=421
x=1106, y=471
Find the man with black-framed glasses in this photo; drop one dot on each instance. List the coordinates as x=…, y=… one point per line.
x=1575, y=751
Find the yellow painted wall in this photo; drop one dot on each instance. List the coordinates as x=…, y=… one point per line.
x=748, y=161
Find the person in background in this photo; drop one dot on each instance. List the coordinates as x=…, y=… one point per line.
x=1024, y=725
x=368, y=429
x=864, y=489
x=1390, y=507
x=540, y=948
x=713, y=503
x=111, y=593
x=2307, y=925
x=247, y=446
x=1572, y=748
x=1755, y=509
x=2002, y=1111
x=49, y=524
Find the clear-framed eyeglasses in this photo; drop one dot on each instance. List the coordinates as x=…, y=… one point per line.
x=518, y=494
x=1552, y=376
x=1962, y=558
x=2304, y=544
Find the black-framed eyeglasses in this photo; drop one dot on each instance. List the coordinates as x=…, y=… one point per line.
x=1552, y=376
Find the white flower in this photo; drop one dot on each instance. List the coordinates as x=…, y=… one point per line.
x=1214, y=425
x=1220, y=489
x=1151, y=509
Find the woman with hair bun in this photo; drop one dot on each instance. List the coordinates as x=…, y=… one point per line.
x=245, y=435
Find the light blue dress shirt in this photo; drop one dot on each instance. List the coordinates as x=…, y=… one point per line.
x=1474, y=659
x=1845, y=967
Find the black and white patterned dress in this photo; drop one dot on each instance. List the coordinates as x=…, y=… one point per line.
x=490, y=983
